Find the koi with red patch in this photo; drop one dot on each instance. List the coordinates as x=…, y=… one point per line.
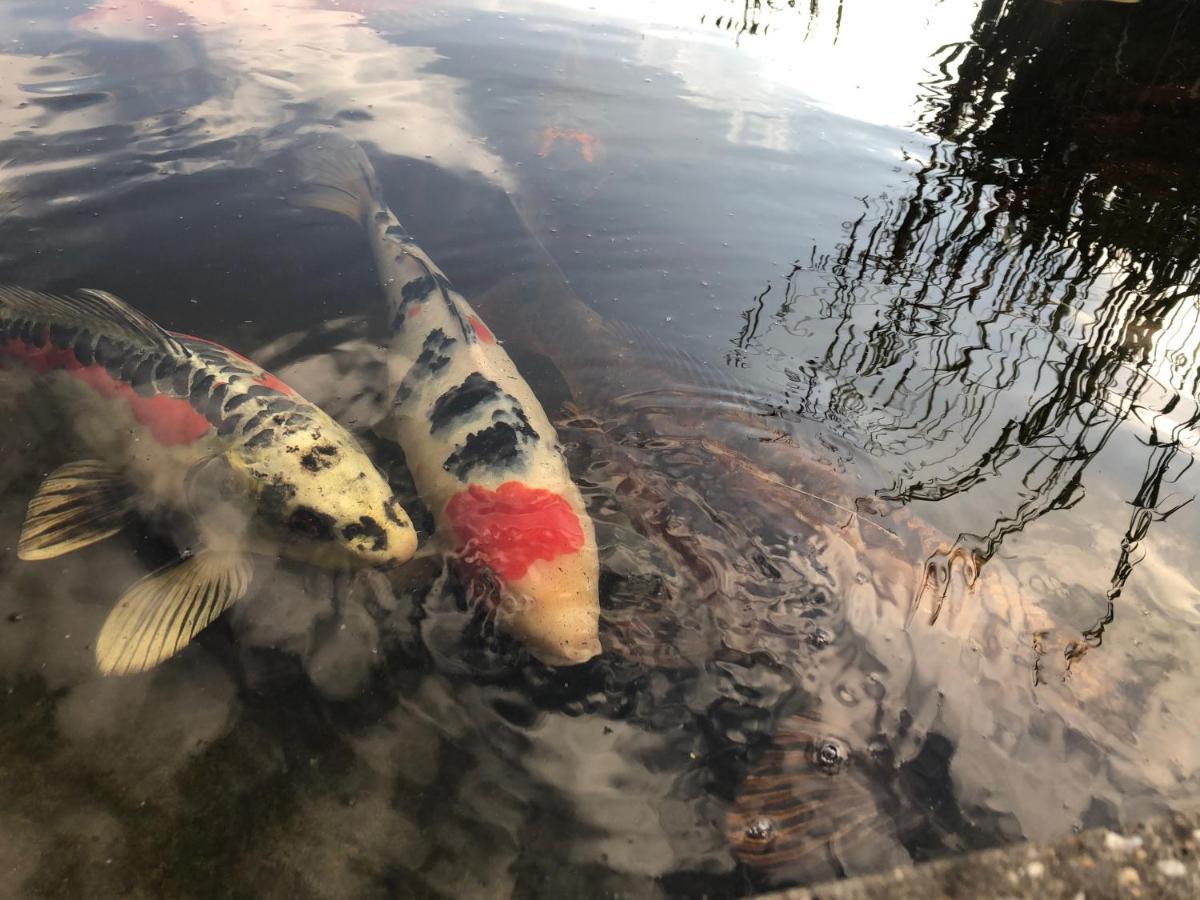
x=178, y=425
x=482, y=452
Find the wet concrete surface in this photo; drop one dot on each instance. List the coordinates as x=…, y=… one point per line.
x=1157, y=859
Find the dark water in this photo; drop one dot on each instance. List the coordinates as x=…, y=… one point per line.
x=835, y=306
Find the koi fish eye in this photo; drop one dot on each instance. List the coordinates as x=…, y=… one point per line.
x=310, y=523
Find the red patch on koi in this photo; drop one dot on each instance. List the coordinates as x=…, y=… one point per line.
x=413, y=310
x=511, y=528
x=170, y=420
x=481, y=331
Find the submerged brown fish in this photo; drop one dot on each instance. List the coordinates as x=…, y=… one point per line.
x=178, y=427
x=790, y=564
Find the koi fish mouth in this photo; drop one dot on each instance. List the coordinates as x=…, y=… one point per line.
x=573, y=656
x=555, y=635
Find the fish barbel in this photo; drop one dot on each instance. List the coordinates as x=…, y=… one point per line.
x=177, y=426
x=483, y=455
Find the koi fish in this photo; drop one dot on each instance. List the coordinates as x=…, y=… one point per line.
x=182, y=429
x=483, y=455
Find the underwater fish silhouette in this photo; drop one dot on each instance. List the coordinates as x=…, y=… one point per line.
x=865, y=631
x=483, y=454
x=183, y=430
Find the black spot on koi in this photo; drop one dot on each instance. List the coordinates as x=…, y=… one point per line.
x=264, y=438
x=367, y=527
x=434, y=356
x=320, y=457
x=463, y=399
x=414, y=291
x=393, y=510
x=498, y=446
x=312, y=524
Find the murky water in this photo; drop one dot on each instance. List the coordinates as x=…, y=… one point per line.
x=870, y=333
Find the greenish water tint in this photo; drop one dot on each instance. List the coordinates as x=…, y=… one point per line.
x=836, y=307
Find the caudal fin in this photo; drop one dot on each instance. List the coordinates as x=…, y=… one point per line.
x=334, y=173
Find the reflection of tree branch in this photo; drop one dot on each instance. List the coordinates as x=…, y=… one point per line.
x=754, y=16
x=1038, y=249
x=1145, y=511
x=737, y=356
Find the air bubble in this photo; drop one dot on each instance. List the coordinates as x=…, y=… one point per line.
x=760, y=830
x=829, y=756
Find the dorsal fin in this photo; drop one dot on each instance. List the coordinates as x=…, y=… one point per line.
x=98, y=311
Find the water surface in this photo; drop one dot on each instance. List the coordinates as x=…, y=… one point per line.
x=841, y=309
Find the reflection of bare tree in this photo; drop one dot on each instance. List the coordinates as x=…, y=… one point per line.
x=1148, y=505
x=742, y=17
x=1034, y=293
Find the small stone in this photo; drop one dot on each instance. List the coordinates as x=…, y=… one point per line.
x=1128, y=877
x=1116, y=842
x=1172, y=868
x=1035, y=870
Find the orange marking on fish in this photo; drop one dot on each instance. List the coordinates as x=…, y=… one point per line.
x=481, y=331
x=171, y=420
x=509, y=529
x=414, y=310
x=588, y=143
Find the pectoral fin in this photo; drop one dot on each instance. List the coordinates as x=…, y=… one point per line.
x=159, y=615
x=78, y=504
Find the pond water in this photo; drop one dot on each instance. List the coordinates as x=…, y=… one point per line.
x=870, y=331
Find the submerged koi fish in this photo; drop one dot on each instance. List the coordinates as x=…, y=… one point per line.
x=181, y=427
x=482, y=453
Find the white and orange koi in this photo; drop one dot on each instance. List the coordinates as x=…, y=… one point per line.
x=483, y=455
x=182, y=429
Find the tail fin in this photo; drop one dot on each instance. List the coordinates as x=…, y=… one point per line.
x=333, y=173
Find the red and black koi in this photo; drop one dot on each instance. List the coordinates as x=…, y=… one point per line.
x=178, y=423
x=482, y=452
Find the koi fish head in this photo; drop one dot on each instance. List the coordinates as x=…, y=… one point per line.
x=312, y=495
x=554, y=610
x=530, y=555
